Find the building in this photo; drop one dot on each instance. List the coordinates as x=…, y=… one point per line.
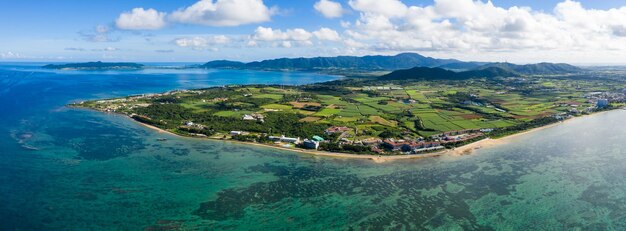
x=318, y=138
x=255, y=116
x=334, y=129
x=289, y=139
x=421, y=147
x=311, y=144
x=284, y=139
x=235, y=133
x=274, y=138
x=393, y=145
x=408, y=147
x=602, y=103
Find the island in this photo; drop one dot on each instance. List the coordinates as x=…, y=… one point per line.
x=95, y=66
x=413, y=112
x=366, y=64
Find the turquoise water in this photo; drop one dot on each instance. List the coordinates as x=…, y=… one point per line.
x=70, y=169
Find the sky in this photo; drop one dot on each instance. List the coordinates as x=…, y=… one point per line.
x=589, y=32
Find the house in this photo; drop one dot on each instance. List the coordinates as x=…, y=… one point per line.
x=334, y=129
x=248, y=117
x=235, y=133
x=311, y=144
x=189, y=124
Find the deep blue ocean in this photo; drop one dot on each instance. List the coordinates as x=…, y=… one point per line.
x=73, y=169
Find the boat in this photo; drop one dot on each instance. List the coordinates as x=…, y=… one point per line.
x=162, y=139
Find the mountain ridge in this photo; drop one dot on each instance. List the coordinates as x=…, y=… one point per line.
x=370, y=62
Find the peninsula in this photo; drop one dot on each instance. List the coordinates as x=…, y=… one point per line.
x=405, y=113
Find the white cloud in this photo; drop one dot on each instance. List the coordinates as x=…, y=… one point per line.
x=329, y=8
x=141, y=19
x=269, y=34
x=203, y=43
x=326, y=34
x=298, y=37
x=388, y=8
x=223, y=13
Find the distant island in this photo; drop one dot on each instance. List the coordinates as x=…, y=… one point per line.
x=410, y=112
x=392, y=63
x=95, y=66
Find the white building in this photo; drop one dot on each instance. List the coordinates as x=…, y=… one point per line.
x=289, y=139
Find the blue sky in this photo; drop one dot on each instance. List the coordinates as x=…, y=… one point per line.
x=175, y=31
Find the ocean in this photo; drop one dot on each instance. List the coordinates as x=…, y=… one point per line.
x=72, y=169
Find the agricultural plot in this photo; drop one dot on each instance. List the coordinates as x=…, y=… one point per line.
x=417, y=95
x=327, y=112
x=382, y=121
x=268, y=96
x=280, y=107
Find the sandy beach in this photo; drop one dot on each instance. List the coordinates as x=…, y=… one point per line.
x=488, y=142
x=459, y=151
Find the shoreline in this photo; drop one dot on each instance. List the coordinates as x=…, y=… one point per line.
x=375, y=158
x=467, y=149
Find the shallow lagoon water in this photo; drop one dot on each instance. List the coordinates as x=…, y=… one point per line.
x=63, y=168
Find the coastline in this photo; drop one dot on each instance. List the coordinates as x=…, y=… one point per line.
x=375, y=158
x=488, y=142
x=459, y=151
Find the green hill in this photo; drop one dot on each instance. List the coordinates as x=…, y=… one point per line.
x=426, y=73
